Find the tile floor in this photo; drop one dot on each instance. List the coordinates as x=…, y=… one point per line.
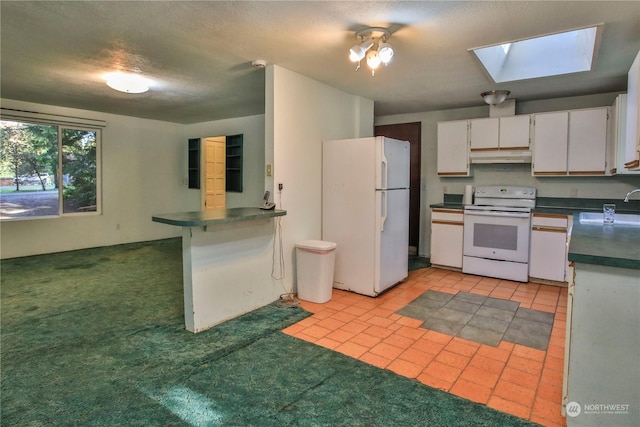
x=510, y=377
x=480, y=318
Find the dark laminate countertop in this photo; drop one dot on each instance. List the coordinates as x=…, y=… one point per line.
x=610, y=245
x=216, y=216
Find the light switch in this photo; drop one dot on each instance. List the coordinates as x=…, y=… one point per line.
x=269, y=170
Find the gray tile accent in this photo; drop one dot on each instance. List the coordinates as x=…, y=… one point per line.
x=472, y=298
x=428, y=303
x=416, y=312
x=502, y=304
x=538, y=316
x=443, y=326
x=467, y=307
x=436, y=296
x=483, y=336
x=453, y=315
x=496, y=313
x=479, y=318
x=528, y=333
x=490, y=323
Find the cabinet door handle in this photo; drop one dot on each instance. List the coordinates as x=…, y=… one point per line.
x=439, y=221
x=549, y=229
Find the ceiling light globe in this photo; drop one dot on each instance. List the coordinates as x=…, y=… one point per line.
x=495, y=97
x=127, y=82
x=356, y=53
x=373, y=60
x=385, y=52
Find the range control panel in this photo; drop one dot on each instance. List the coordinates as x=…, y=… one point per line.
x=505, y=195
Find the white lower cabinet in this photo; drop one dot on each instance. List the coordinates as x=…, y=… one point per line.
x=549, y=245
x=600, y=386
x=446, y=237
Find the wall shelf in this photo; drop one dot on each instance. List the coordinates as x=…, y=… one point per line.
x=234, y=163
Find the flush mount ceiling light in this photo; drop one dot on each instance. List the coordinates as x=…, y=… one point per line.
x=127, y=82
x=373, y=44
x=495, y=97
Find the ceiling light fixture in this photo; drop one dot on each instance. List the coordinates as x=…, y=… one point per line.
x=357, y=52
x=374, y=46
x=385, y=52
x=127, y=82
x=495, y=97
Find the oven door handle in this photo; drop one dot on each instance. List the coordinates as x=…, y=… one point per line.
x=498, y=214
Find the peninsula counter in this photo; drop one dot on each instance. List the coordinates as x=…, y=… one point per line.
x=227, y=257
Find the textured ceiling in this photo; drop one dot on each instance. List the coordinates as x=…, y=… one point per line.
x=199, y=54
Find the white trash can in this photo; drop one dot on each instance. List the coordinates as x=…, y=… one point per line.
x=315, y=260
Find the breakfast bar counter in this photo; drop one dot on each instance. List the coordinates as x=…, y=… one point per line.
x=227, y=259
x=216, y=216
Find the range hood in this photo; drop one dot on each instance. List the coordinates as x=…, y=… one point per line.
x=500, y=156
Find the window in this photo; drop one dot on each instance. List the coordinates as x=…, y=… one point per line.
x=48, y=170
x=550, y=55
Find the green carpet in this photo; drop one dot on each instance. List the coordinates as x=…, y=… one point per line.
x=416, y=262
x=96, y=338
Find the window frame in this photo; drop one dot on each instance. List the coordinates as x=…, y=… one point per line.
x=62, y=123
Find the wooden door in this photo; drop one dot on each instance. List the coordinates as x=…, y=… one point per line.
x=214, y=172
x=409, y=132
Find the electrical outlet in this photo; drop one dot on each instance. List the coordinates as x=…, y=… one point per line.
x=280, y=186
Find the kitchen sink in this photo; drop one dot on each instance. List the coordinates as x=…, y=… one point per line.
x=622, y=219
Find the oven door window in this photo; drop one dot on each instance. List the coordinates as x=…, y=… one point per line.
x=499, y=238
x=495, y=236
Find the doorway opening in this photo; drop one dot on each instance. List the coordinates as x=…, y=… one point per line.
x=409, y=132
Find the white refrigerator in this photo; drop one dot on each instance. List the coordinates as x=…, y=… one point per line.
x=365, y=210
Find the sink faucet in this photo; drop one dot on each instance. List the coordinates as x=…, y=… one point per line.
x=626, y=199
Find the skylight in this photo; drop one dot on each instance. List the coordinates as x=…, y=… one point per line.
x=551, y=55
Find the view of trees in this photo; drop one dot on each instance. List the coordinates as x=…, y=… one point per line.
x=29, y=150
x=36, y=159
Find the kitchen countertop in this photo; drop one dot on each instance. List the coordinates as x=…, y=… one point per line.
x=216, y=216
x=611, y=245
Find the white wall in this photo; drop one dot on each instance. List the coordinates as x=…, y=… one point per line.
x=300, y=114
x=433, y=187
x=144, y=170
x=252, y=129
x=142, y=166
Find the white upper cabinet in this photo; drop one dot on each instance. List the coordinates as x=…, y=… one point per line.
x=453, y=148
x=588, y=141
x=616, y=150
x=550, y=141
x=514, y=132
x=632, y=139
x=570, y=142
x=503, y=133
x=484, y=134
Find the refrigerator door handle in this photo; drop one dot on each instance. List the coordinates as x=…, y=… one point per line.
x=383, y=215
x=384, y=171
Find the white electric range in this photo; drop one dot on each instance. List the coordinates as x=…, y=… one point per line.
x=497, y=228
